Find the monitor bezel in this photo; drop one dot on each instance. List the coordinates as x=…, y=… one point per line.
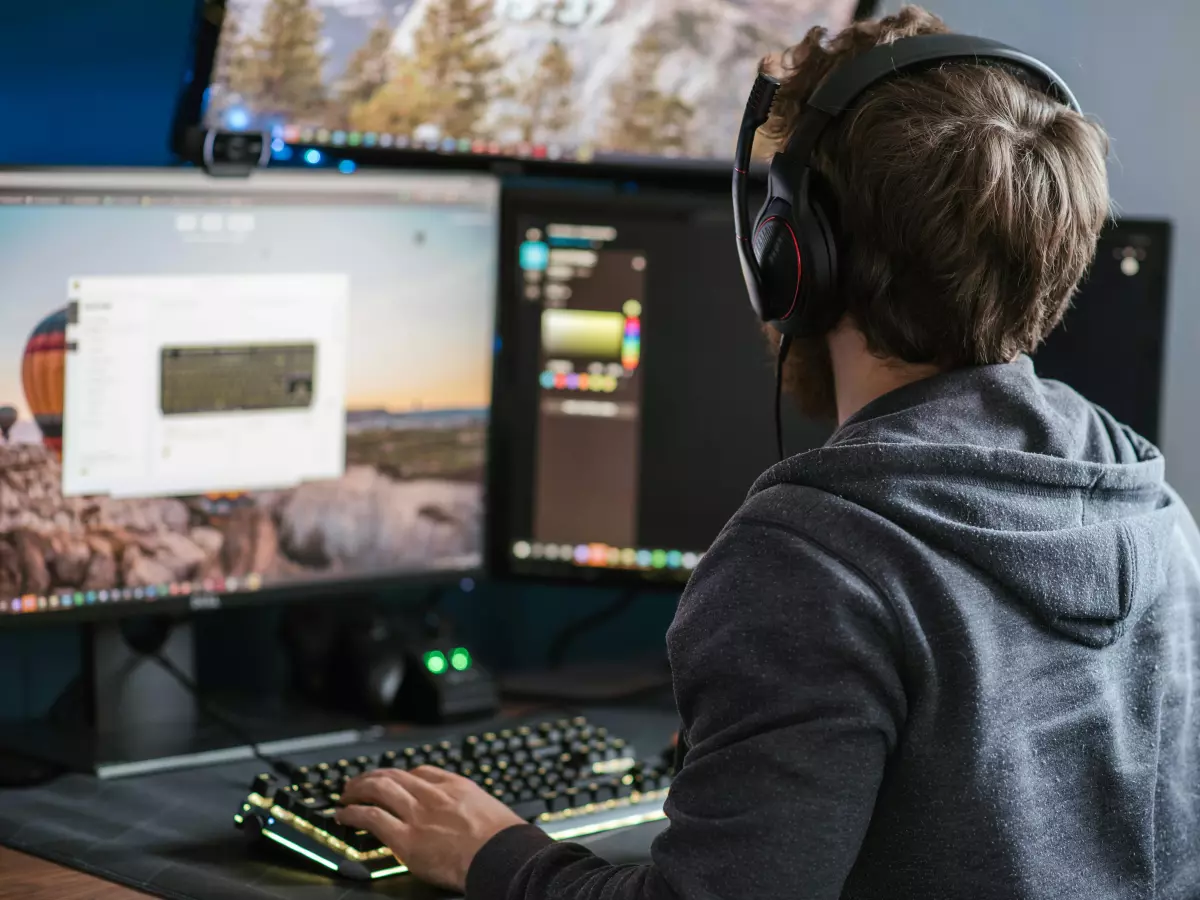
x=1162, y=230
x=188, y=129
x=333, y=588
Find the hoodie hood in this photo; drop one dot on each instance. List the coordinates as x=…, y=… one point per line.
x=1024, y=479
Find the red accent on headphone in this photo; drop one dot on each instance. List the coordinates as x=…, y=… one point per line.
x=799, y=261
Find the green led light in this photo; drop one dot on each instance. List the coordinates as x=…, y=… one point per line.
x=435, y=661
x=298, y=849
x=581, y=831
x=394, y=870
x=460, y=659
x=659, y=559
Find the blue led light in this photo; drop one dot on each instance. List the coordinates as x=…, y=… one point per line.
x=535, y=256
x=467, y=585
x=277, y=144
x=347, y=167
x=237, y=118
x=312, y=157
x=283, y=154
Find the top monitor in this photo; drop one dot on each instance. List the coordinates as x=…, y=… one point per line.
x=608, y=81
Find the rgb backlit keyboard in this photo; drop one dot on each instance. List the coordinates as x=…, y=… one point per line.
x=568, y=777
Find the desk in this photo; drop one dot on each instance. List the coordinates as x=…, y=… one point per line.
x=29, y=878
x=171, y=833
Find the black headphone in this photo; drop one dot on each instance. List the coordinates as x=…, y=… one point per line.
x=790, y=260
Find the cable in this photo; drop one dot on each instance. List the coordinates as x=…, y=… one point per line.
x=236, y=731
x=785, y=346
x=562, y=642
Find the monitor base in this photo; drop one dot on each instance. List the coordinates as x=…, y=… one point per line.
x=163, y=748
x=127, y=715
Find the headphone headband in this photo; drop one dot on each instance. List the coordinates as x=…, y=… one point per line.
x=845, y=84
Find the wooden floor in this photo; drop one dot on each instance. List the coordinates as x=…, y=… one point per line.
x=25, y=877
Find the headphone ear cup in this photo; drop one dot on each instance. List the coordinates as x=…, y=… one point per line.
x=820, y=306
x=781, y=265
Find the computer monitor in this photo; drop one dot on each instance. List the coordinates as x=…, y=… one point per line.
x=634, y=403
x=1112, y=343
x=234, y=390
x=635, y=388
x=581, y=81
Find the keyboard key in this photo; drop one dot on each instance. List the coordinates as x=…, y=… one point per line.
x=325, y=820
x=287, y=799
x=362, y=841
x=575, y=797
x=530, y=808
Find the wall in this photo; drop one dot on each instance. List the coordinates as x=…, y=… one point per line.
x=91, y=82
x=1135, y=67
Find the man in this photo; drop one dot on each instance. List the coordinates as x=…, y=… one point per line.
x=956, y=651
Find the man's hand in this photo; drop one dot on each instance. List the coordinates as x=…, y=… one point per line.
x=434, y=822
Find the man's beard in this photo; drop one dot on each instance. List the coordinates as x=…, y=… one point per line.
x=808, y=376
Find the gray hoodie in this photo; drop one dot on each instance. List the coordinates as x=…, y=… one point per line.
x=955, y=653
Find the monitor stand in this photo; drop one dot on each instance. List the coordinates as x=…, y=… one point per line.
x=126, y=715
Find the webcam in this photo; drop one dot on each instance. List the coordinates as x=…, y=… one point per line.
x=235, y=153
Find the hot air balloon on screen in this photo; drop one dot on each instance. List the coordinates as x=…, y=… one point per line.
x=42, y=373
x=8, y=418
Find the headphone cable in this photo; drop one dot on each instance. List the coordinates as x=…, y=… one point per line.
x=785, y=345
x=185, y=681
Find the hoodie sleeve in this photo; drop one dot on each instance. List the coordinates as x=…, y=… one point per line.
x=785, y=660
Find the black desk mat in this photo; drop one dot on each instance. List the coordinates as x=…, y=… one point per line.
x=172, y=834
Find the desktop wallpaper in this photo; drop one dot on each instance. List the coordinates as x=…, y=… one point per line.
x=418, y=387
x=641, y=78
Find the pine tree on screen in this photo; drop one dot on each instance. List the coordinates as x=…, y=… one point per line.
x=643, y=119
x=547, y=97
x=231, y=83
x=368, y=69
x=284, y=62
x=450, y=80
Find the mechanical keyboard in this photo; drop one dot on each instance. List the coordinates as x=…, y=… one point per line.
x=568, y=777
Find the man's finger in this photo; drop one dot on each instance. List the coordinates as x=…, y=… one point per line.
x=386, y=791
x=433, y=774
x=421, y=789
x=390, y=830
